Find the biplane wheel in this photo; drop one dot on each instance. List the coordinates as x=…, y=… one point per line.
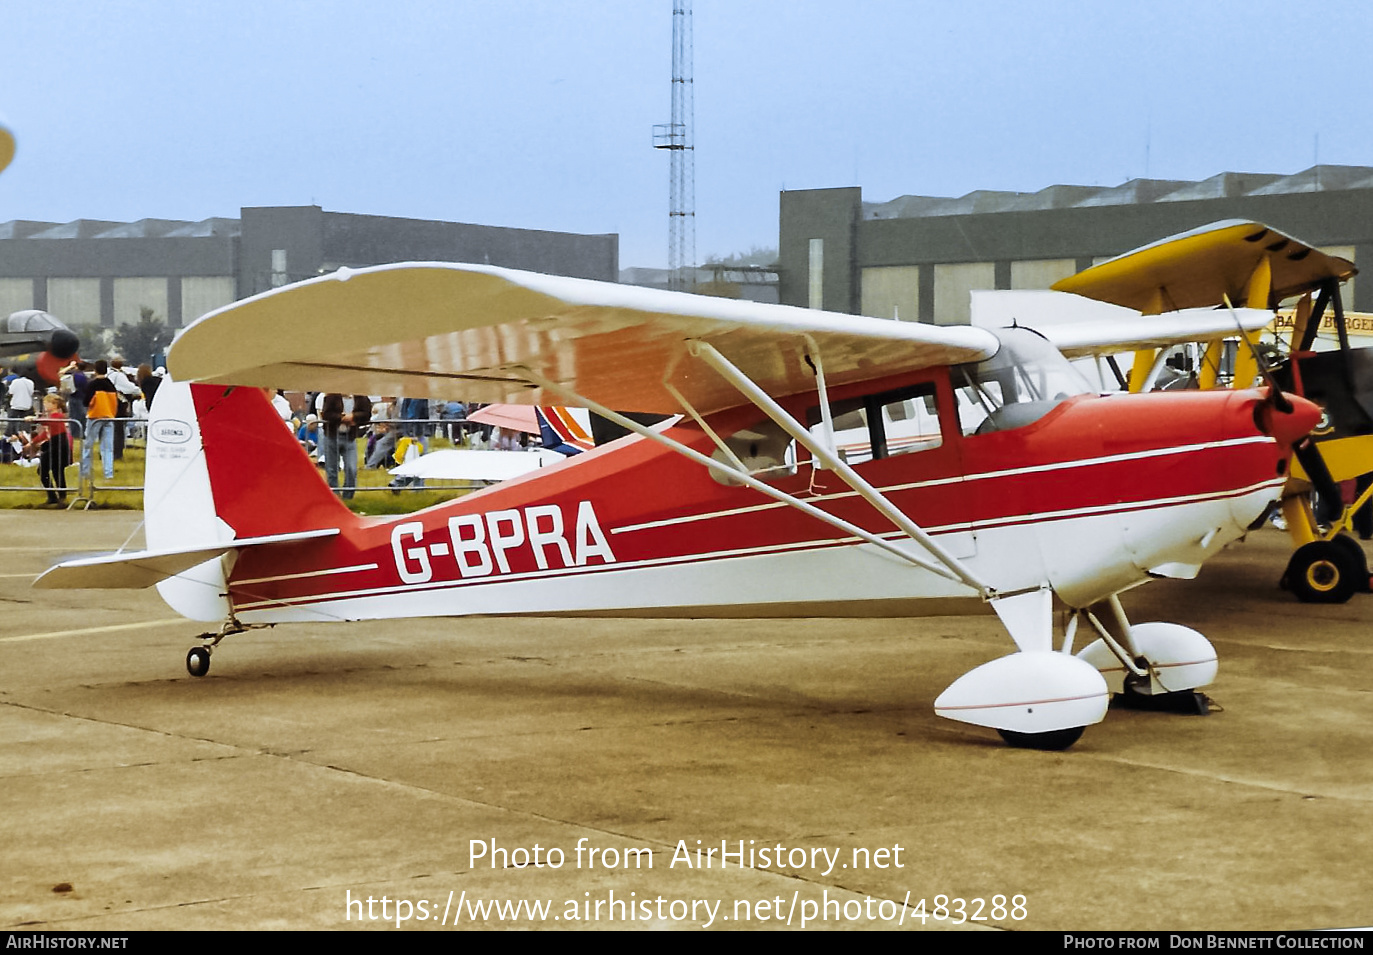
x=1054, y=740
x=1322, y=572
x=1360, y=559
x=198, y=661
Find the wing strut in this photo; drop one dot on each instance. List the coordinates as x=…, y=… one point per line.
x=711, y=356
x=745, y=478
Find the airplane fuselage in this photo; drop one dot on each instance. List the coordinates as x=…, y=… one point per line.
x=1095, y=496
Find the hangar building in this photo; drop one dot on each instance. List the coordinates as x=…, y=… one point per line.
x=918, y=257
x=91, y=271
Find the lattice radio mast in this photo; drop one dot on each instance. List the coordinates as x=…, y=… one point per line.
x=677, y=138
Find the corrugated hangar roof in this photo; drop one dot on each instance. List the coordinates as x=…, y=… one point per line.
x=1135, y=192
x=101, y=229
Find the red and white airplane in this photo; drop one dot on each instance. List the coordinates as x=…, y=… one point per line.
x=986, y=472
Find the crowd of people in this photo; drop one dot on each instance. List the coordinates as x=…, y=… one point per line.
x=97, y=406
x=345, y=432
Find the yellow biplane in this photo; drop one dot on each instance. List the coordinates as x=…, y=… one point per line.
x=1240, y=263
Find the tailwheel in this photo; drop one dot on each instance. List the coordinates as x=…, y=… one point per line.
x=1052, y=741
x=1324, y=572
x=198, y=661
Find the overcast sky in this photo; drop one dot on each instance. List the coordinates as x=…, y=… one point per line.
x=539, y=114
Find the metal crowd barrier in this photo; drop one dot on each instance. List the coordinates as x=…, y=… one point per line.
x=85, y=491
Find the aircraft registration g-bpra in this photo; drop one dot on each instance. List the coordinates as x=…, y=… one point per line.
x=988, y=473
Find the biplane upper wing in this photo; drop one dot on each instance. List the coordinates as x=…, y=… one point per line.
x=1201, y=268
x=472, y=331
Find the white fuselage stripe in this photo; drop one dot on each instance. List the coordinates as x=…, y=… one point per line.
x=355, y=568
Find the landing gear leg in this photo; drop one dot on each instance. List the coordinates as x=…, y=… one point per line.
x=1150, y=666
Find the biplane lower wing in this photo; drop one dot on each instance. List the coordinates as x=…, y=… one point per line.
x=1081, y=327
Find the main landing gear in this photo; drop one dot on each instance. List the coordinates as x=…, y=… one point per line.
x=1043, y=698
x=198, y=658
x=1149, y=666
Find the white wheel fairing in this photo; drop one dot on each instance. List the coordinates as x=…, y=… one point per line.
x=1179, y=658
x=1035, y=692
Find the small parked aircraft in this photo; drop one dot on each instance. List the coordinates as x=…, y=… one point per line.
x=41, y=344
x=977, y=468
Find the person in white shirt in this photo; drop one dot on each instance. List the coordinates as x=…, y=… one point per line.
x=120, y=377
x=21, y=403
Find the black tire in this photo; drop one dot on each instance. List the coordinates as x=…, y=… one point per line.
x=1053, y=741
x=198, y=661
x=1360, y=559
x=1323, y=572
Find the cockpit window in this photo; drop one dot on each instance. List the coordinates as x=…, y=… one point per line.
x=1025, y=380
x=765, y=450
x=883, y=425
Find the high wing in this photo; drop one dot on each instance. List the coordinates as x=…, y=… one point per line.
x=472, y=331
x=1081, y=327
x=1201, y=268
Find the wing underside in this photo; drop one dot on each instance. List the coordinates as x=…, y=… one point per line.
x=476, y=332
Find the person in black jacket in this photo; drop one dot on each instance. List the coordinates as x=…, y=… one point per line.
x=343, y=419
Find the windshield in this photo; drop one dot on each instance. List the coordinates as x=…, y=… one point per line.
x=1025, y=380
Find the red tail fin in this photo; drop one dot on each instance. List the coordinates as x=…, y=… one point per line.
x=263, y=482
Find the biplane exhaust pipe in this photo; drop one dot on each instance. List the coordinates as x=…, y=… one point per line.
x=1287, y=427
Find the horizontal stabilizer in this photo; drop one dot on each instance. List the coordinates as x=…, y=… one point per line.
x=138, y=569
